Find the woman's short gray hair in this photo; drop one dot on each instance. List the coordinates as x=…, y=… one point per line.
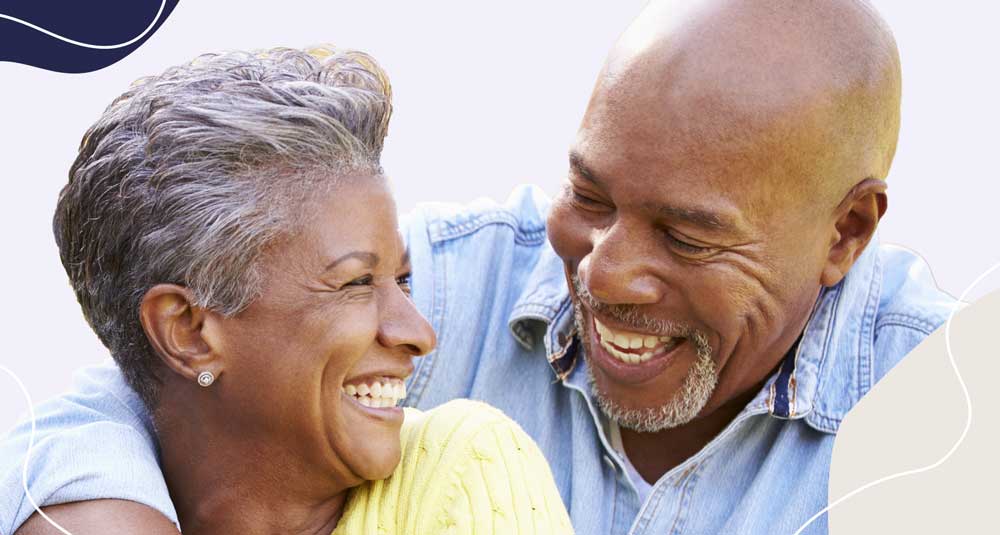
x=188, y=176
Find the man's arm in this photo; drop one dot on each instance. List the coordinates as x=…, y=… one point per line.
x=99, y=517
x=94, y=443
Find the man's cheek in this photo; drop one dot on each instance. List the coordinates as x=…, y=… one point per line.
x=568, y=234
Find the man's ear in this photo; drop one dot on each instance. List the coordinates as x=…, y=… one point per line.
x=174, y=326
x=856, y=219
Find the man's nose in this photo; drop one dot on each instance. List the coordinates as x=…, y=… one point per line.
x=619, y=269
x=402, y=326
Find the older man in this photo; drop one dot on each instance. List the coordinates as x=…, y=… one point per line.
x=711, y=307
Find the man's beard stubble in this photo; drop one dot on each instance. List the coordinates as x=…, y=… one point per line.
x=685, y=404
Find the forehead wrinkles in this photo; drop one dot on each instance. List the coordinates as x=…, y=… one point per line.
x=735, y=85
x=762, y=163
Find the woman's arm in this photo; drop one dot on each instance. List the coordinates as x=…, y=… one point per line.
x=99, y=517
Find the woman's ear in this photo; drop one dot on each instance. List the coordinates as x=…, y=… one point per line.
x=174, y=325
x=856, y=219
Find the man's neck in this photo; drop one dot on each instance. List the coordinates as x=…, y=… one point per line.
x=220, y=483
x=655, y=454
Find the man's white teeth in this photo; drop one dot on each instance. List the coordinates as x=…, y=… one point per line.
x=378, y=394
x=631, y=358
x=617, y=342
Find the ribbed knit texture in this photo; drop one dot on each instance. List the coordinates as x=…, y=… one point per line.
x=466, y=469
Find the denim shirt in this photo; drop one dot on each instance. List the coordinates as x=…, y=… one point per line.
x=495, y=293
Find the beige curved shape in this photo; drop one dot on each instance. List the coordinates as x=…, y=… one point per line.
x=911, y=419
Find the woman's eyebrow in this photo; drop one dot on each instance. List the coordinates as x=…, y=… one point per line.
x=370, y=259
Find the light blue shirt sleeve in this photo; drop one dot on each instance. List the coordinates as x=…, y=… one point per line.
x=97, y=442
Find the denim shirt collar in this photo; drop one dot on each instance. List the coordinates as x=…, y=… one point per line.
x=821, y=379
x=834, y=367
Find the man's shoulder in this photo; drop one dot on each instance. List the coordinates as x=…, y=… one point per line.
x=523, y=213
x=863, y=328
x=486, y=278
x=911, y=307
x=910, y=297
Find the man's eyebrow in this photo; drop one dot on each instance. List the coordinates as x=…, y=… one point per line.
x=370, y=259
x=577, y=164
x=695, y=216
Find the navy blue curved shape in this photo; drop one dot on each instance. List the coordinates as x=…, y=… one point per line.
x=104, y=22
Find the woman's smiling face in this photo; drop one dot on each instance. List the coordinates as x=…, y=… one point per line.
x=334, y=320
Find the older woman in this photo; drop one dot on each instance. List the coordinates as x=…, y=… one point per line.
x=231, y=239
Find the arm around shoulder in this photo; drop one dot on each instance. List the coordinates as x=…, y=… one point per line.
x=95, y=517
x=85, y=445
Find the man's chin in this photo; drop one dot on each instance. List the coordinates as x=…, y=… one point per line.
x=680, y=408
x=632, y=393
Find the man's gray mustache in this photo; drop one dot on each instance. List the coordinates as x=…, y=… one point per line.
x=632, y=317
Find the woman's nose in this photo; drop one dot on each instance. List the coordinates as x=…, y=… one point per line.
x=403, y=326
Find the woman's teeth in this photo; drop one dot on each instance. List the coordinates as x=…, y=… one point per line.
x=621, y=344
x=377, y=393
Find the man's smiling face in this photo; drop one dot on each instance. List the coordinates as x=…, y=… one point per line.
x=729, y=164
x=685, y=300
x=694, y=254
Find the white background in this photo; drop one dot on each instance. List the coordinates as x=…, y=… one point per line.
x=488, y=95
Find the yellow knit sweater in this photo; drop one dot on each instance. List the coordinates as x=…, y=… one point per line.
x=466, y=469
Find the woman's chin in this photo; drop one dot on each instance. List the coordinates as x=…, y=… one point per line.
x=372, y=446
x=373, y=464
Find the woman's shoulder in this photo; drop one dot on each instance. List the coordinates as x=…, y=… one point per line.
x=466, y=467
x=461, y=416
x=460, y=435
x=488, y=475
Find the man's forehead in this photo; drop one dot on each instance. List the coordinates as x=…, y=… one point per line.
x=696, y=146
x=800, y=87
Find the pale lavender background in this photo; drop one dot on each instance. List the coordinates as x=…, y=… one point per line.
x=488, y=95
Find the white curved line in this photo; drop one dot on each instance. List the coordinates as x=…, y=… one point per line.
x=163, y=4
x=968, y=418
x=27, y=455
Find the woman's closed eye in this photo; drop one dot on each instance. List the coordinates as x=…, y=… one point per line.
x=368, y=280
x=360, y=281
x=404, y=282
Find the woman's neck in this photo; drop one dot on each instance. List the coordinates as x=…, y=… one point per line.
x=224, y=481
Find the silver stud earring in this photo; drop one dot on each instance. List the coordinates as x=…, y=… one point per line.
x=206, y=379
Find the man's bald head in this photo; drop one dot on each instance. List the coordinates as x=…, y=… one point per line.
x=810, y=87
